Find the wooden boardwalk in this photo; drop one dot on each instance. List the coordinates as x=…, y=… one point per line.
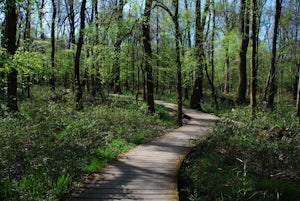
x=148, y=172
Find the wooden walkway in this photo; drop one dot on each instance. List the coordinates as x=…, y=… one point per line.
x=148, y=172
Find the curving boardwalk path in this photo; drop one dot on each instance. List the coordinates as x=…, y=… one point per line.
x=149, y=171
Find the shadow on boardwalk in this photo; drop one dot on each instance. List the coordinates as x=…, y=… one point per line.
x=148, y=172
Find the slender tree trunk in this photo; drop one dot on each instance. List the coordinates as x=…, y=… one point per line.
x=157, y=50
x=298, y=100
x=52, y=78
x=272, y=73
x=92, y=74
x=116, y=71
x=116, y=67
x=244, y=31
x=253, y=83
x=296, y=80
x=213, y=89
x=198, y=73
x=78, y=89
x=10, y=45
x=41, y=15
x=98, y=81
x=227, y=69
x=26, y=37
x=189, y=45
x=178, y=63
x=197, y=93
x=72, y=23
x=148, y=57
x=133, y=65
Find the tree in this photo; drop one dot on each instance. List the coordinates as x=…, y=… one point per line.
x=41, y=15
x=296, y=80
x=212, y=60
x=298, y=97
x=52, y=79
x=272, y=73
x=254, y=38
x=117, y=46
x=148, y=56
x=71, y=18
x=78, y=89
x=244, y=34
x=10, y=45
x=27, y=38
x=178, y=62
x=197, y=93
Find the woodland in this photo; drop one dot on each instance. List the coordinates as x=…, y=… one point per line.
x=60, y=61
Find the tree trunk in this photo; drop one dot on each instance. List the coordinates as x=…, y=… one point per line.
x=213, y=89
x=116, y=67
x=178, y=63
x=148, y=57
x=26, y=37
x=272, y=73
x=296, y=80
x=52, y=78
x=197, y=91
x=298, y=100
x=227, y=70
x=78, y=89
x=253, y=83
x=10, y=45
x=244, y=31
x=72, y=22
x=189, y=45
x=41, y=15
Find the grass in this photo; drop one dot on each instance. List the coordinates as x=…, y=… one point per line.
x=48, y=147
x=246, y=160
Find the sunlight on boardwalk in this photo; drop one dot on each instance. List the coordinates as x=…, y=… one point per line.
x=148, y=172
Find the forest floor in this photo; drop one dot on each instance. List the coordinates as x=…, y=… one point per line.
x=149, y=171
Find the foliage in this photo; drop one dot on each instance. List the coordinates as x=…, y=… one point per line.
x=48, y=147
x=244, y=160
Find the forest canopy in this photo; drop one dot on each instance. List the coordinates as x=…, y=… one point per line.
x=212, y=38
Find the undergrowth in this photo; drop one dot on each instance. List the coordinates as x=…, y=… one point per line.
x=48, y=147
x=246, y=160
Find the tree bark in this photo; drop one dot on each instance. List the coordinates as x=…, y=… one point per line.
x=227, y=69
x=78, y=89
x=298, y=101
x=189, y=45
x=52, y=78
x=117, y=46
x=244, y=31
x=197, y=91
x=296, y=80
x=10, y=45
x=212, y=80
x=26, y=37
x=253, y=83
x=71, y=17
x=148, y=57
x=178, y=63
x=272, y=73
x=41, y=15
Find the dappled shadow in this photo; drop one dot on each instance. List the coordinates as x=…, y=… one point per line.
x=148, y=171
x=125, y=180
